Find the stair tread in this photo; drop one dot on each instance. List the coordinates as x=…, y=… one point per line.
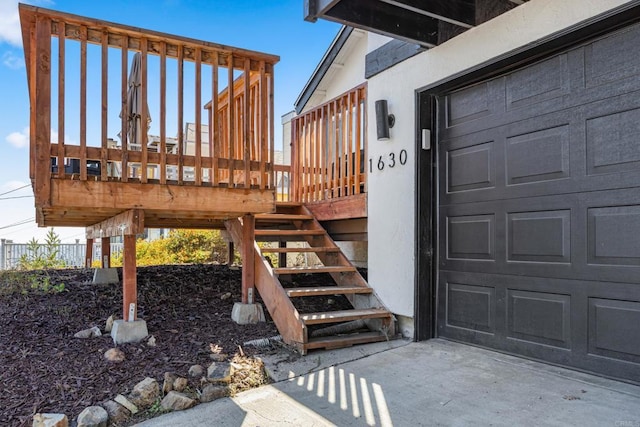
x=289, y=232
x=300, y=250
x=339, y=341
x=283, y=217
x=343, y=315
x=320, y=269
x=327, y=290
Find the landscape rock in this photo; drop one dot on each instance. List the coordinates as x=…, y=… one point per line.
x=213, y=391
x=179, y=384
x=218, y=357
x=219, y=371
x=127, y=404
x=225, y=296
x=93, y=416
x=50, y=420
x=88, y=333
x=114, y=355
x=109, y=325
x=175, y=401
x=196, y=371
x=117, y=413
x=167, y=385
x=145, y=393
x=151, y=342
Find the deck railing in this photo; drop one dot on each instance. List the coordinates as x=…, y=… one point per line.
x=80, y=85
x=329, y=149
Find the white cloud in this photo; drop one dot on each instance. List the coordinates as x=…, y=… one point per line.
x=10, y=31
x=10, y=23
x=12, y=61
x=19, y=139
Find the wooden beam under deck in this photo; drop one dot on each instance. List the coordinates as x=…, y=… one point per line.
x=128, y=222
x=354, y=206
x=84, y=203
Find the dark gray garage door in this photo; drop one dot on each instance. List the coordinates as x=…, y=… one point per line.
x=539, y=209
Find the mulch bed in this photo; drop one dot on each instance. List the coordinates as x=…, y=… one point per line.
x=43, y=368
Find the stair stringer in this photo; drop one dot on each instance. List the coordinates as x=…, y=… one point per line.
x=359, y=301
x=285, y=316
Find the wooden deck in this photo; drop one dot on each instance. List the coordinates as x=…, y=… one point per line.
x=226, y=170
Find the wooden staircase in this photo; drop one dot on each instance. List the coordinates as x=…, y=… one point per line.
x=365, y=321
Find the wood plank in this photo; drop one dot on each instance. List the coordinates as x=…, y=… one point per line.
x=42, y=165
x=144, y=116
x=214, y=131
x=263, y=126
x=246, y=124
x=343, y=316
x=284, y=233
x=283, y=217
x=358, y=141
x=300, y=250
x=83, y=103
x=128, y=222
x=208, y=201
x=271, y=91
x=349, y=143
x=327, y=290
x=124, y=137
x=198, y=114
x=180, y=114
x=340, y=208
x=248, y=258
x=342, y=341
x=61, y=97
x=315, y=270
x=104, y=107
x=129, y=280
x=163, y=113
x=231, y=117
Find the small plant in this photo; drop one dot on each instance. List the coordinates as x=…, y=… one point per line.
x=42, y=256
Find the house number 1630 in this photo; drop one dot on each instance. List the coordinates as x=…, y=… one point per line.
x=391, y=161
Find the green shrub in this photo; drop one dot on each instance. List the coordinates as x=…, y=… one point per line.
x=39, y=257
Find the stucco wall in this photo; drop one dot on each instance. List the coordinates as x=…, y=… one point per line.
x=392, y=191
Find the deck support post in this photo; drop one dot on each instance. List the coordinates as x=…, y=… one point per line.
x=248, y=258
x=88, y=257
x=129, y=281
x=230, y=252
x=282, y=257
x=105, y=244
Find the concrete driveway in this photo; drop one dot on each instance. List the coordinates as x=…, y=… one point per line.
x=435, y=382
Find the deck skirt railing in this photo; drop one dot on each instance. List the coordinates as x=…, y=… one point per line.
x=100, y=82
x=329, y=149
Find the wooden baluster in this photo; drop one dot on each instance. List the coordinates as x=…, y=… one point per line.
x=61, y=97
x=104, y=152
x=180, y=114
x=349, y=143
x=124, y=136
x=358, y=142
x=231, y=118
x=83, y=103
x=336, y=166
x=271, y=127
x=163, y=113
x=88, y=256
x=214, y=130
x=198, y=114
x=144, y=114
x=247, y=123
x=263, y=126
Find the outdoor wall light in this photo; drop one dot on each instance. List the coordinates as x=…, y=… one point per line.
x=384, y=120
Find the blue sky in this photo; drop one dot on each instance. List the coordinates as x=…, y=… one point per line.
x=274, y=27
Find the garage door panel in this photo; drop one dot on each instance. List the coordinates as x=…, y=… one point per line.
x=473, y=103
x=471, y=237
x=613, y=142
x=540, y=236
x=471, y=307
x=471, y=168
x=543, y=81
x=613, y=329
x=614, y=235
x=539, y=317
x=611, y=59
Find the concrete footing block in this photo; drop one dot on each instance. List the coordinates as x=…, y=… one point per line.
x=104, y=276
x=245, y=314
x=126, y=332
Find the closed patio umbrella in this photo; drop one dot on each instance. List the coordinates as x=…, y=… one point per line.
x=134, y=104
